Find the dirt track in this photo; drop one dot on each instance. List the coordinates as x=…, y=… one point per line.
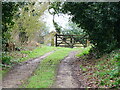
x=21, y=72
x=65, y=76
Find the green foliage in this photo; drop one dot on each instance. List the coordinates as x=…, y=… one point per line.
x=6, y=59
x=18, y=19
x=73, y=29
x=8, y=10
x=29, y=13
x=109, y=73
x=84, y=51
x=99, y=20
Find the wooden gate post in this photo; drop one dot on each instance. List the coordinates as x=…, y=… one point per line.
x=71, y=41
x=56, y=40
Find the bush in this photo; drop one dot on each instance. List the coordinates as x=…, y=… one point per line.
x=6, y=59
x=85, y=51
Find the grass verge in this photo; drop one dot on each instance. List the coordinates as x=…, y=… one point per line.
x=84, y=51
x=39, y=51
x=13, y=58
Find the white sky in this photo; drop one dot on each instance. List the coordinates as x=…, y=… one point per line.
x=62, y=20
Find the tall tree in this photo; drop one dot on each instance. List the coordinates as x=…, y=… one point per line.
x=8, y=10
x=22, y=17
x=53, y=12
x=73, y=29
x=99, y=20
x=28, y=20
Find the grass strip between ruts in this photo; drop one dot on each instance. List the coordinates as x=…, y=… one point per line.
x=45, y=74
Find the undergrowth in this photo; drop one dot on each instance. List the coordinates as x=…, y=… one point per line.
x=104, y=72
x=109, y=71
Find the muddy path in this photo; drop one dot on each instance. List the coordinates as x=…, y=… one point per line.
x=21, y=72
x=65, y=76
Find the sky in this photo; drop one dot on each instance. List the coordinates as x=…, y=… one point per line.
x=62, y=20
